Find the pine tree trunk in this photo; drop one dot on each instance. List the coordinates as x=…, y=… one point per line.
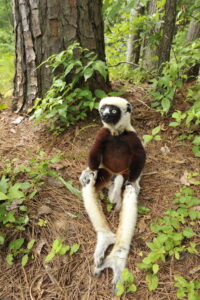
x=193, y=34
x=46, y=27
x=168, y=29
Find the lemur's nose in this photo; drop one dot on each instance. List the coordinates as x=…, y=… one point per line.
x=106, y=111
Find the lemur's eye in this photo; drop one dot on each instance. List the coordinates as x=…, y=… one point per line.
x=114, y=111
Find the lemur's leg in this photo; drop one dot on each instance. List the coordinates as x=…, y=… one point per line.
x=118, y=256
x=105, y=236
x=114, y=192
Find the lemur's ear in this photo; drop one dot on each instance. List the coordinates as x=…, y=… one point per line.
x=129, y=108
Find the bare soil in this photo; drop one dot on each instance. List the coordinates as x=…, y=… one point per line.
x=71, y=277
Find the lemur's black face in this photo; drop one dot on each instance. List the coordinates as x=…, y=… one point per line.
x=110, y=114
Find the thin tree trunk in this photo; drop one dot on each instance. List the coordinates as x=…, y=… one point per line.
x=46, y=27
x=134, y=43
x=193, y=31
x=193, y=34
x=167, y=33
x=150, y=49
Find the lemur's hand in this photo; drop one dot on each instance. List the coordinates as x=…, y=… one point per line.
x=87, y=177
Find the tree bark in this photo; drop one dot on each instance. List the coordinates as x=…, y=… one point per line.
x=46, y=27
x=193, y=34
x=150, y=49
x=134, y=43
x=168, y=30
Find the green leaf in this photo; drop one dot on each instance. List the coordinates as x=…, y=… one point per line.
x=181, y=293
x=193, y=214
x=120, y=289
x=192, y=249
x=3, y=106
x=143, y=266
x=4, y=185
x=14, y=192
x=147, y=138
x=155, y=268
x=69, y=186
x=50, y=256
x=30, y=244
x=155, y=130
x=100, y=66
x=157, y=138
x=174, y=124
x=2, y=239
x=25, y=185
x=74, y=249
x=63, y=249
x=142, y=210
x=57, y=243
x=152, y=281
x=9, y=259
x=23, y=208
x=16, y=244
x=9, y=218
x=109, y=207
x=188, y=232
x=100, y=94
x=115, y=94
x=196, y=151
x=127, y=276
x=165, y=104
x=114, y=9
x=196, y=141
x=132, y=288
x=3, y=196
x=193, y=295
x=68, y=69
x=180, y=281
x=24, y=260
x=88, y=73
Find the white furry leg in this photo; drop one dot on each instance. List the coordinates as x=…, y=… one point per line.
x=104, y=240
x=116, y=260
x=114, y=192
x=105, y=236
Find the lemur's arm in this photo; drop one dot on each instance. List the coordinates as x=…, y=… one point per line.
x=94, y=158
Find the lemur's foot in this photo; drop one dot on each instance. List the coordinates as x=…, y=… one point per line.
x=132, y=186
x=114, y=193
x=87, y=177
x=115, y=198
x=104, y=240
x=116, y=260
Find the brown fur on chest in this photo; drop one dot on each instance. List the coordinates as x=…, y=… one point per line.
x=119, y=152
x=122, y=154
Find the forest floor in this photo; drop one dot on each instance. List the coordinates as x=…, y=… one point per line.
x=70, y=277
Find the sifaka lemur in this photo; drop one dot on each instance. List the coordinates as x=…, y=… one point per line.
x=116, y=158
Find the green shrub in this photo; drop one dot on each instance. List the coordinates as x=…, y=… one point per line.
x=173, y=76
x=69, y=98
x=6, y=74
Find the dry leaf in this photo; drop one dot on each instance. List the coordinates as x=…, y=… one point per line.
x=18, y=120
x=40, y=245
x=165, y=150
x=185, y=180
x=55, y=182
x=44, y=210
x=196, y=208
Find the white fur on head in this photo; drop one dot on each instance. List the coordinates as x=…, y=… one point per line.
x=125, y=120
